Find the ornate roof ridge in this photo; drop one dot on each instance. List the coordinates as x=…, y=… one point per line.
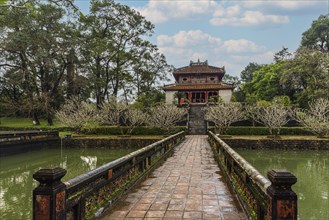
x=202, y=67
x=198, y=63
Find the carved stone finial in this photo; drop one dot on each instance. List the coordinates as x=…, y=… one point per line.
x=282, y=200
x=281, y=178
x=49, y=176
x=49, y=197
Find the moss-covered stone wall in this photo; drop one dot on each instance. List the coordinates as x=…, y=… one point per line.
x=278, y=144
x=107, y=142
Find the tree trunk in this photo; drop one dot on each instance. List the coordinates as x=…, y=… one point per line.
x=49, y=119
x=71, y=75
x=28, y=89
x=98, y=88
x=35, y=118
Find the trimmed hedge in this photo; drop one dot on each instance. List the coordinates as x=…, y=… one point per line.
x=249, y=130
x=43, y=128
x=115, y=130
x=103, y=130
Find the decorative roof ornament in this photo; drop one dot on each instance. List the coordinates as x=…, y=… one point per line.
x=198, y=63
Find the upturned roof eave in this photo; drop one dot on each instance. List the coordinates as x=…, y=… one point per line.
x=199, y=87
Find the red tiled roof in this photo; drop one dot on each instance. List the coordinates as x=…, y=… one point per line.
x=200, y=68
x=198, y=87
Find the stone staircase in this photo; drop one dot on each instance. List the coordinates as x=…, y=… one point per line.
x=197, y=124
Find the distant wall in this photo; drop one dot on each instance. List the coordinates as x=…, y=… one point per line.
x=225, y=95
x=170, y=97
x=107, y=142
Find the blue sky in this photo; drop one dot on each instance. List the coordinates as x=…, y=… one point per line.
x=226, y=33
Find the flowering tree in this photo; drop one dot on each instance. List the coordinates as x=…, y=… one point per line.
x=316, y=119
x=273, y=117
x=224, y=115
x=112, y=112
x=165, y=116
x=133, y=118
x=76, y=114
x=249, y=111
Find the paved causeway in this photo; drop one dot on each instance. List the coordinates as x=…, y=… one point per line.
x=187, y=186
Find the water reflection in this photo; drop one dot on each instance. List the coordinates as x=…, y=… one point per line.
x=90, y=161
x=17, y=184
x=312, y=171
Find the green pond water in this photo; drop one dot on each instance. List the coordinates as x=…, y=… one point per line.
x=17, y=184
x=312, y=171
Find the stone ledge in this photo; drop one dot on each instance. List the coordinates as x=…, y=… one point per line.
x=107, y=143
x=278, y=144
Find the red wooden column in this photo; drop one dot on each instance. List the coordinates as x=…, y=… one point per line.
x=190, y=96
x=207, y=94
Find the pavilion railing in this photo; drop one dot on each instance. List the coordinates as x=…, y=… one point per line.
x=88, y=195
x=261, y=198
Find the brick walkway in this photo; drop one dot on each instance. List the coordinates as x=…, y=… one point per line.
x=187, y=186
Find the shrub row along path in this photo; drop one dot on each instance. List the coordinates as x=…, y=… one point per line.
x=187, y=186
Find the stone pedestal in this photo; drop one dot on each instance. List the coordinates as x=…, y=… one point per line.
x=49, y=196
x=282, y=200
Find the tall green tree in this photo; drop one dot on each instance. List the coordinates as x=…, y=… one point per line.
x=265, y=84
x=34, y=47
x=282, y=55
x=247, y=74
x=49, y=54
x=305, y=77
x=150, y=69
x=317, y=36
x=150, y=98
x=14, y=44
x=113, y=34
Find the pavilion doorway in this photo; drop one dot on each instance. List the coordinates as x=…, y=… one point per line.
x=198, y=97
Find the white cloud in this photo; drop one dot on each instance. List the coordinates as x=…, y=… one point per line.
x=184, y=46
x=240, y=13
x=188, y=38
x=162, y=11
x=241, y=46
x=248, y=18
x=233, y=10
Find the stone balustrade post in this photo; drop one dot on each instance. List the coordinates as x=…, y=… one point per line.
x=49, y=196
x=282, y=200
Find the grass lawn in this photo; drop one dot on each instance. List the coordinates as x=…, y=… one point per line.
x=64, y=133
x=26, y=123
x=124, y=136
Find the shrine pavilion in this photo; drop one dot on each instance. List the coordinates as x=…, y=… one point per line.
x=199, y=83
